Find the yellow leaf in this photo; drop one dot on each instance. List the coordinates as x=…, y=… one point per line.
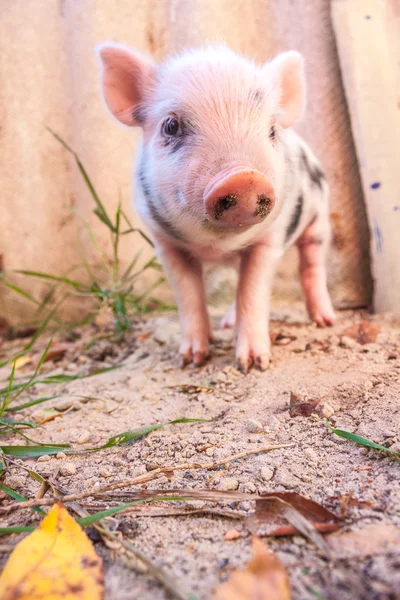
x=21, y=361
x=55, y=562
x=264, y=579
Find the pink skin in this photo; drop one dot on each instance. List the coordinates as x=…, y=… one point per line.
x=313, y=276
x=222, y=189
x=186, y=279
x=252, y=306
x=250, y=192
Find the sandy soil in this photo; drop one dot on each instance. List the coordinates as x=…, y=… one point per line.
x=360, y=390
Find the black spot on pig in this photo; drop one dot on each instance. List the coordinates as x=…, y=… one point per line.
x=295, y=218
x=314, y=171
x=144, y=184
x=162, y=220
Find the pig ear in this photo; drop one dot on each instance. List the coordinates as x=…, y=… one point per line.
x=126, y=79
x=287, y=74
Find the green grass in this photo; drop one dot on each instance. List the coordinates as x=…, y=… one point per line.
x=107, y=282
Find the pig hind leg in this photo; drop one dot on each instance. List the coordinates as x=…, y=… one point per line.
x=313, y=246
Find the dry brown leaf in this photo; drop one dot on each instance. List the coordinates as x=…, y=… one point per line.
x=289, y=513
x=57, y=561
x=365, y=332
x=56, y=351
x=264, y=579
x=301, y=408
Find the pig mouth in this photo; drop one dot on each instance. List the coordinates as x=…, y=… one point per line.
x=225, y=230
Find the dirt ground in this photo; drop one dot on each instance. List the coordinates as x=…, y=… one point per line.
x=359, y=388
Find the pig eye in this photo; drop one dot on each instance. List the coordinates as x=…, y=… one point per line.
x=171, y=127
x=272, y=133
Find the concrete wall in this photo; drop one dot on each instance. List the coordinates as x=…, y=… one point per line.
x=49, y=77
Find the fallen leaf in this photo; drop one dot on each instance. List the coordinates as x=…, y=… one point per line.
x=21, y=361
x=365, y=332
x=144, y=335
x=289, y=513
x=264, y=579
x=56, y=351
x=301, y=408
x=231, y=534
x=377, y=538
x=55, y=561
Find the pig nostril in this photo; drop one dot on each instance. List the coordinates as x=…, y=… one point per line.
x=264, y=205
x=223, y=204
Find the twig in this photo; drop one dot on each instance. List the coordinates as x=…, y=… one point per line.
x=138, y=480
x=230, y=514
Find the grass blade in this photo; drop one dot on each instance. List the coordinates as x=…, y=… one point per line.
x=74, y=284
x=25, y=452
x=101, y=211
x=21, y=292
x=30, y=403
x=127, y=437
x=62, y=378
x=20, y=498
x=16, y=529
x=358, y=439
x=95, y=517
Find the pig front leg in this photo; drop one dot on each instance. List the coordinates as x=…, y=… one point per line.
x=313, y=246
x=185, y=275
x=257, y=270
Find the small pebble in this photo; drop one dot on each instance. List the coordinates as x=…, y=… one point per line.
x=61, y=455
x=68, y=468
x=15, y=481
x=231, y=534
x=228, y=484
x=327, y=410
x=210, y=451
x=79, y=436
x=253, y=426
x=248, y=487
x=267, y=473
x=44, y=458
x=285, y=478
x=347, y=342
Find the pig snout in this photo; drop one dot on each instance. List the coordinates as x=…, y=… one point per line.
x=239, y=197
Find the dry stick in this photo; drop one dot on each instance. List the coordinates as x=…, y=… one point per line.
x=137, y=480
x=180, y=512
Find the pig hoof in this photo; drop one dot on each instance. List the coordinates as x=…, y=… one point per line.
x=262, y=362
x=323, y=319
x=243, y=365
x=198, y=359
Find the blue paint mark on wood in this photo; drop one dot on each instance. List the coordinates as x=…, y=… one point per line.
x=375, y=185
x=378, y=239
x=367, y=17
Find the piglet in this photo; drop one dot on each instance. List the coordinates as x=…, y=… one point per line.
x=222, y=178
